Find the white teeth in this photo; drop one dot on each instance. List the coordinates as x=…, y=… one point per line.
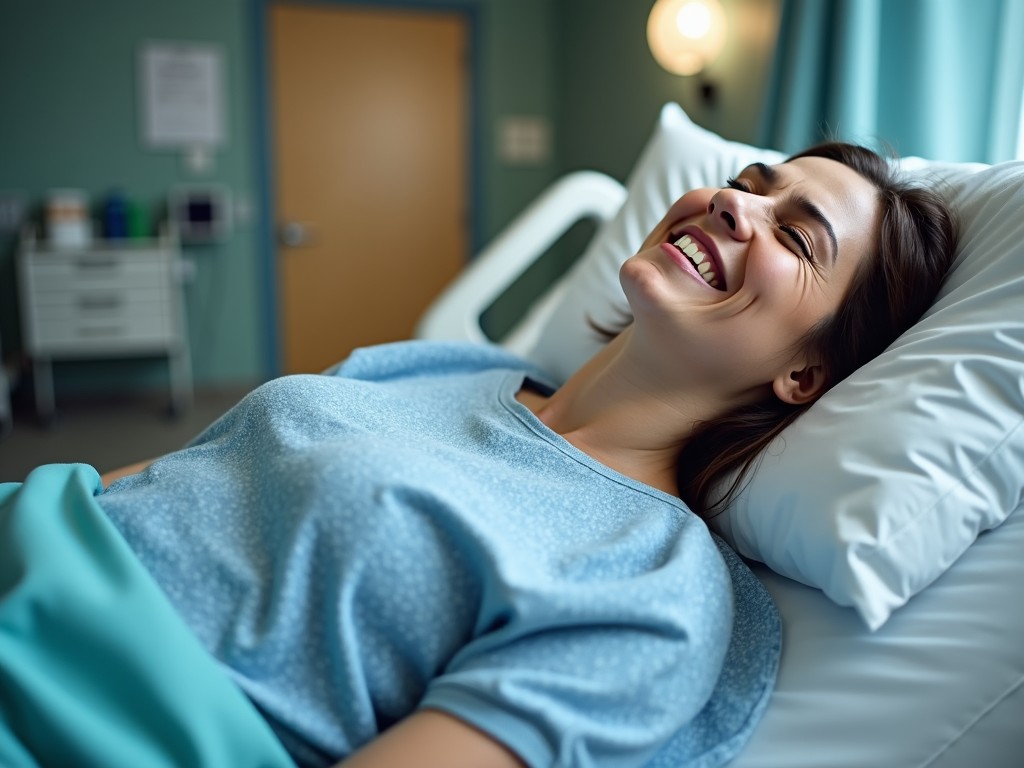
x=700, y=260
x=690, y=248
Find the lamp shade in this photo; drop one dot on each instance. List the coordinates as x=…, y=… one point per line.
x=686, y=35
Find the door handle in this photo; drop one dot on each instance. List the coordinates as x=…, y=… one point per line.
x=294, y=234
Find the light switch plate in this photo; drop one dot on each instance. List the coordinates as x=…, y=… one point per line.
x=524, y=140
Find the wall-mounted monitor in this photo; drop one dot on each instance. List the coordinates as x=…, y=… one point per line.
x=200, y=213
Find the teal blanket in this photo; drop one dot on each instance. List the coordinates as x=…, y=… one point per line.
x=96, y=668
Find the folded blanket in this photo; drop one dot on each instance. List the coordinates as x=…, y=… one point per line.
x=96, y=668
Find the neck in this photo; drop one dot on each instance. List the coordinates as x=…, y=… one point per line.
x=622, y=412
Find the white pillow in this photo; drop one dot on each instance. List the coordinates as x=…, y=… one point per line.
x=886, y=480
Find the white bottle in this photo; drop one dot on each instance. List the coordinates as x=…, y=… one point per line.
x=67, y=219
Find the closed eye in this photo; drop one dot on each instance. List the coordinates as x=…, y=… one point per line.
x=737, y=184
x=794, y=235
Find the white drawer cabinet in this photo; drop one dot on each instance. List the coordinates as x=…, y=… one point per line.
x=112, y=299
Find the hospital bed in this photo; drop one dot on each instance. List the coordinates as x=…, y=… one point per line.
x=937, y=682
x=903, y=627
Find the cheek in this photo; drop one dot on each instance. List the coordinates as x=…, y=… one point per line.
x=693, y=203
x=790, y=295
x=776, y=269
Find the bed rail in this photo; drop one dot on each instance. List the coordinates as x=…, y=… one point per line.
x=455, y=314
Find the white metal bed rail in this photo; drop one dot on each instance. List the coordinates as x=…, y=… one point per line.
x=456, y=313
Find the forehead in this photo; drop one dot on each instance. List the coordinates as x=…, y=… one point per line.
x=848, y=199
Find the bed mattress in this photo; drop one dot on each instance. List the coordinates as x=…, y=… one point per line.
x=941, y=684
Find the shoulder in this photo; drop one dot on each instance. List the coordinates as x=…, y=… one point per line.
x=419, y=358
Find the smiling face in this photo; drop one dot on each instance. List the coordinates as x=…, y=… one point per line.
x=731, y=279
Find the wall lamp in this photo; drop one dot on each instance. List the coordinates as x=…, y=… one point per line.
x=685, y=36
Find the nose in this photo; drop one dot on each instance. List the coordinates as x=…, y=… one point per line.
x=733, y=212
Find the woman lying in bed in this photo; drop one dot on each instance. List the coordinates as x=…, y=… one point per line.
x=428, y=556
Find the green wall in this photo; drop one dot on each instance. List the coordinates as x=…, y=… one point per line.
x=68, y=83
x=67, y=70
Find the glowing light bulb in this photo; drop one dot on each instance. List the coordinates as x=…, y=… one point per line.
x=693, y=20
x=686, y=35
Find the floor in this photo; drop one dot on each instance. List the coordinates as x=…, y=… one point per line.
x=105, y=432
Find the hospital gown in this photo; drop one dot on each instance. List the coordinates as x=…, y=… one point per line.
x=402, y=533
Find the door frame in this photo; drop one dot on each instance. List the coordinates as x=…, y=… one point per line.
x=265, y=158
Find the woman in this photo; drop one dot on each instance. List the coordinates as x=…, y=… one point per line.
x=430, y=557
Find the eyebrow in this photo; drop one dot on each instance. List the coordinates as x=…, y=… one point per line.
x=809, y=209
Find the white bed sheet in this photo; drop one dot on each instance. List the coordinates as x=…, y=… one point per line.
x=940, y=685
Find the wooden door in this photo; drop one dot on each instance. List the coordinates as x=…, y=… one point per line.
x=370, y=154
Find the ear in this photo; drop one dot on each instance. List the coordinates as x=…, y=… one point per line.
x=799, y=386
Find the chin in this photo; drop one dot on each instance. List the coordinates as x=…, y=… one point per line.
x=642, y=281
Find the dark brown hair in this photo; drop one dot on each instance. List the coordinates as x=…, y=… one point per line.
x=912, y=252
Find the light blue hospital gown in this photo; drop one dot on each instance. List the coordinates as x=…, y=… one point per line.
x=402, y=533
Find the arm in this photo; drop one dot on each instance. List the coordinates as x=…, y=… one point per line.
x=433, y=739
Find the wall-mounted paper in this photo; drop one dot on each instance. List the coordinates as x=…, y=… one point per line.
x=181, y=94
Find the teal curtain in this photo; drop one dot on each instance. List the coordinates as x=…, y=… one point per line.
x=942, y=79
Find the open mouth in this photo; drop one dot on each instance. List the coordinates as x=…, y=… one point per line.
x=702, y=262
